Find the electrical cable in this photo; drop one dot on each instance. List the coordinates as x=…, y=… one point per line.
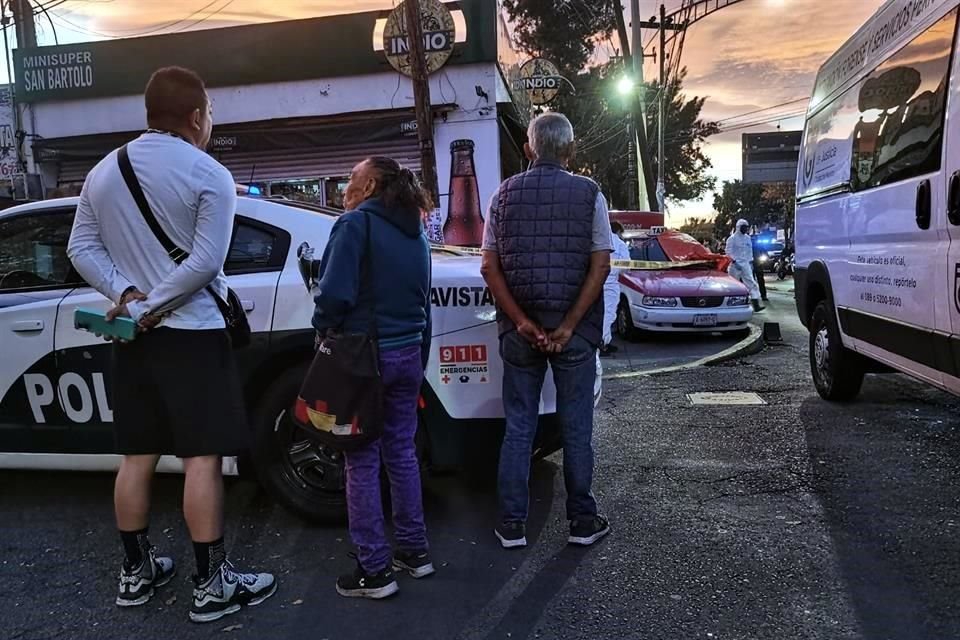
x=152, y=30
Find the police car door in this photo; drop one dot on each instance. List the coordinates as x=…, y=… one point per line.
x=35, y=275
x=83, y=360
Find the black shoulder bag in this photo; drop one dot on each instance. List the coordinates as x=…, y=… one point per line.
x=340, y=404
x=231, y=309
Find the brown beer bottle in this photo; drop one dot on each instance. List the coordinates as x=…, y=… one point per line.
x=464, y=225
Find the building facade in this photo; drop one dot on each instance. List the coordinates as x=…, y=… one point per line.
x=772, y=157
x=296, y=103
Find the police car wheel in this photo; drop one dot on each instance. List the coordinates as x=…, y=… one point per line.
x=301, y=475
x=837, y=371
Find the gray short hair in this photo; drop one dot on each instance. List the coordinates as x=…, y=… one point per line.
x=550, y=136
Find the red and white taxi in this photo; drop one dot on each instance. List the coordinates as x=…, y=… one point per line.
x=695, y=295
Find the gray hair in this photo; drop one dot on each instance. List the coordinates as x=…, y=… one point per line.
x=551, y=136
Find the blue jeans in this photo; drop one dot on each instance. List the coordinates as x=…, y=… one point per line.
x=574, y=372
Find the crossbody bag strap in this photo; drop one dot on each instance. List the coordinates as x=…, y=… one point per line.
x=366, y=277
x=176, y=254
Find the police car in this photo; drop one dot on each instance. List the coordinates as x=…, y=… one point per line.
x=55, y=410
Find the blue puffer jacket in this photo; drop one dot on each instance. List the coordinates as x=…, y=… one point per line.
x=400, y=278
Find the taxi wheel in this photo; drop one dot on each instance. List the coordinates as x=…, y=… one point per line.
x=837, y=371
x=625, y=322
x=303, y=476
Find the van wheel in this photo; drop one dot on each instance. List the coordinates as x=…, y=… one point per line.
x=300, y=474
x=625, y=322
x=837, y=371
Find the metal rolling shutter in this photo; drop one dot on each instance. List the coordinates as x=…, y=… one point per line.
x=332, y=161
x=75, y=171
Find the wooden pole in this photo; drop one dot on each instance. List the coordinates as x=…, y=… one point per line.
x=421, y=98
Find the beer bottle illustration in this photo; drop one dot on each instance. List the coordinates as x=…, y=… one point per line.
x=464, y=225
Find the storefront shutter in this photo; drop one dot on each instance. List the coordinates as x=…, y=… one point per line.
x=332, y=161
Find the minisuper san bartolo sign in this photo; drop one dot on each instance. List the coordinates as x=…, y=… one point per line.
x=439, y=36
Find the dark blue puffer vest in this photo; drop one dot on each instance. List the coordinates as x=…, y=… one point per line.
x=544, y=238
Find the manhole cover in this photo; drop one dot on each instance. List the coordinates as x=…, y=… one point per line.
x=731, y=398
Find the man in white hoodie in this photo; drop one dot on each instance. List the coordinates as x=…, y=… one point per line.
x=740, y=250
x=611, y=291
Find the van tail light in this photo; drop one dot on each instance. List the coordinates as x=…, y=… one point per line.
x=422, y=403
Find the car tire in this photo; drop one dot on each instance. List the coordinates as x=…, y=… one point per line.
x=625, y=326
x=304, y=477
x=837, y=371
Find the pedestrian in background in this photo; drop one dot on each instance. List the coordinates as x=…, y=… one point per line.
x=740, y=249
x=384, y=204
x=611, y=290
x=175, y=387
x=758, y=268
x=546, y=255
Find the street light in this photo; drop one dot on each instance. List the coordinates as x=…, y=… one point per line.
x=625, y=86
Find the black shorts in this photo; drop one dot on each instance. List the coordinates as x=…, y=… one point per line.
x=177, y=392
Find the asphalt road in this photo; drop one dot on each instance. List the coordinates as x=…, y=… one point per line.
x=797, y=519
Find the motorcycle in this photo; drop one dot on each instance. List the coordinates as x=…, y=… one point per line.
x=784, y=267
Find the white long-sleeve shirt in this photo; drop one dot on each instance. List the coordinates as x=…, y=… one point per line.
x=194, y=200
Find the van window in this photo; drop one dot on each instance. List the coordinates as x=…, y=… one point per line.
x=886, y=128
x=899, y=134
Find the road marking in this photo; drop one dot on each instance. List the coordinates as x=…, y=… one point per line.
x=731, y=398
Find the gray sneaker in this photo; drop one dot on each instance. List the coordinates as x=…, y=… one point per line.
x=227, y=591
x=138, y=586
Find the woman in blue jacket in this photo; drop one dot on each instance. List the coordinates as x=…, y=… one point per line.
x=389, y=198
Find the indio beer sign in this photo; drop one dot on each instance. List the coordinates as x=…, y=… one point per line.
x=540, y=79
x=439, y=36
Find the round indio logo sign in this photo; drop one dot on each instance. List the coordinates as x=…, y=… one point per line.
x=439, y=36
x=540, y=79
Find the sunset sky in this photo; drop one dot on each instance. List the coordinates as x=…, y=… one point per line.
x=747, y=57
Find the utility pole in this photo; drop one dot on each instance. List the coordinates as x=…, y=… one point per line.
x=662, y=25
x=26, y=28
x=421, y=98
x=638, y=56
x=661, y=111
x=639, y=137
x=26, y=35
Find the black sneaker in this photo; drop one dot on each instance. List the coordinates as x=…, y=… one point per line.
x=360, y=584
x=226, y=591
x=137, y=586
x=586, y=532
x=512, y=535
x=417, y=564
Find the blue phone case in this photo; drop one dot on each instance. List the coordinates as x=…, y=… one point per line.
x=96, y=322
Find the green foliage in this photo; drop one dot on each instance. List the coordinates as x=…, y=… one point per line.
x=758, y=204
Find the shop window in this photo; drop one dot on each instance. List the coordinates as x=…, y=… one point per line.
x=297, y=190
x=33, y=251
x=334, y=189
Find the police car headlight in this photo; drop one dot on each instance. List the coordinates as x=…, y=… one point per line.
x=654, y=301
x=738, y=301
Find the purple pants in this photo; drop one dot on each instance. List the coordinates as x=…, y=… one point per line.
x=402, y=375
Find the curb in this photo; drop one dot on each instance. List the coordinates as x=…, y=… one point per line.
x=753, y=343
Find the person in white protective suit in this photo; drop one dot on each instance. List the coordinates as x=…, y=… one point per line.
x=740, y=250
x=611, y=291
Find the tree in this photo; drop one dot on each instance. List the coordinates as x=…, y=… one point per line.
x=702, y=229
x=738, y=200
x=600, y=119
x=564, y=31
x=687, y=166
x=758, y=204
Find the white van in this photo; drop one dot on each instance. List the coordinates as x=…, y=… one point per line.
x=878, y=203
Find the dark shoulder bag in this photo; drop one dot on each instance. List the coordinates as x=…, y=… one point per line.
x=340, y=404
x=231, y=309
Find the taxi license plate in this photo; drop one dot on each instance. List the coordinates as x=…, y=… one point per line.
x=705, y=320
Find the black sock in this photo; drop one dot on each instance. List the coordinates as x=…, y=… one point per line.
x=210, y=555
x=135, y=545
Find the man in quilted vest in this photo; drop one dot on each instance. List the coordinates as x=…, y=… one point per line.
x=546, y=254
